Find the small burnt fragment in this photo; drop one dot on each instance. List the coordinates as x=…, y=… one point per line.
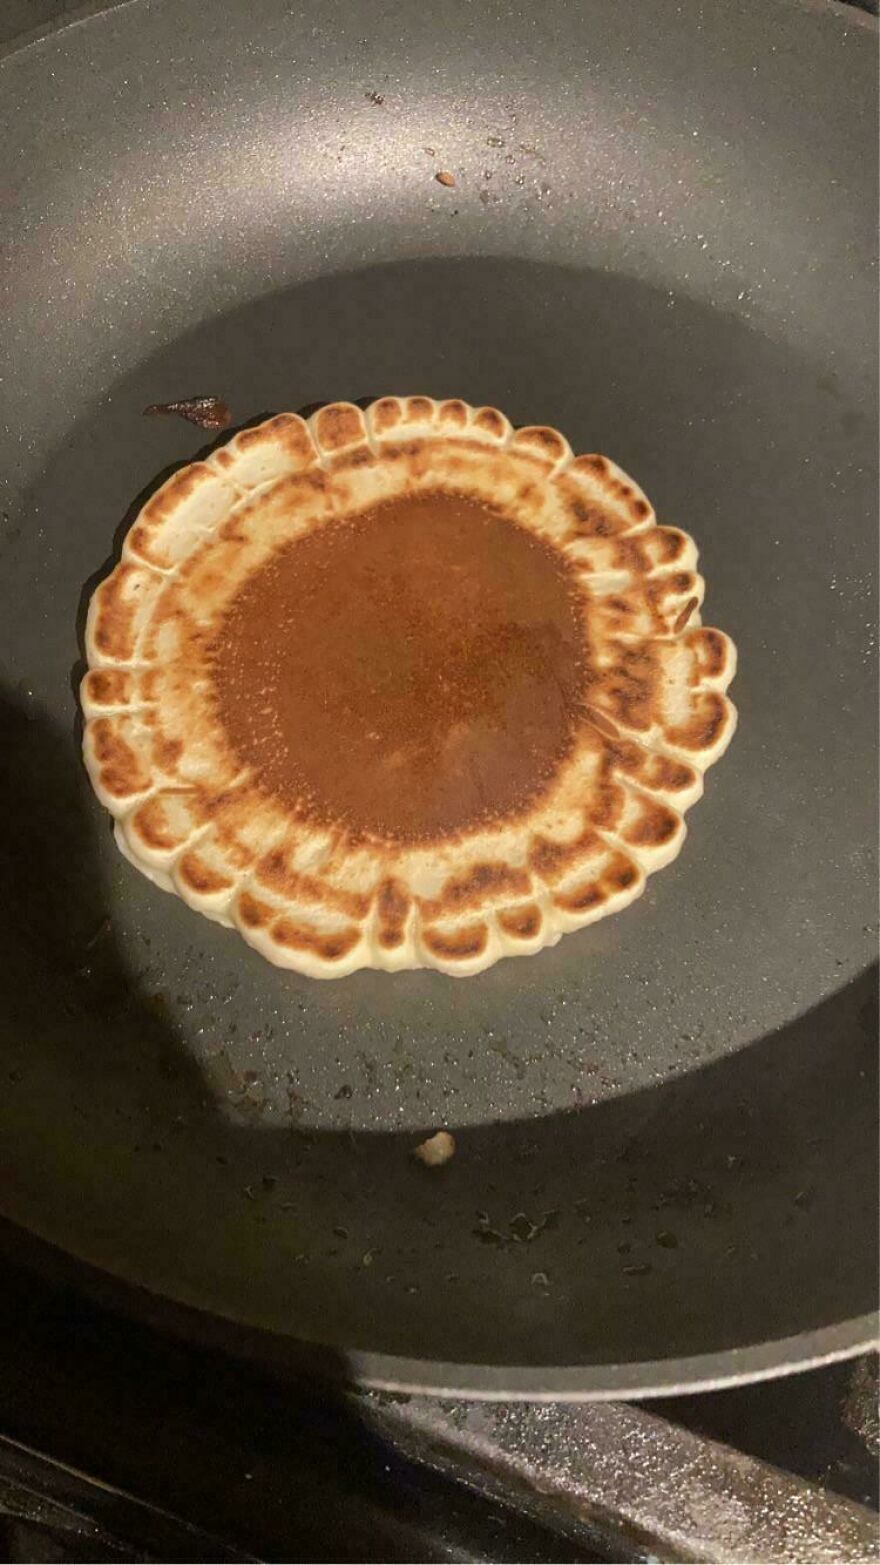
x=683, y=617
x=206, y=412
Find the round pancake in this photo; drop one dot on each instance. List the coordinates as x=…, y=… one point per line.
x=402, y=688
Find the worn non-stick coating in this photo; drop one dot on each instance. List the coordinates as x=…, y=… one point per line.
x=660, y=240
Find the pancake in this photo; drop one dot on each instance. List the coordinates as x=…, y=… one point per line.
x=402, y=688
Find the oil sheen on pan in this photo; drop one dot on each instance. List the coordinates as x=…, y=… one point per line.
x=402, y=688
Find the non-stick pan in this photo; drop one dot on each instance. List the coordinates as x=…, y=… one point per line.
x=660, y=240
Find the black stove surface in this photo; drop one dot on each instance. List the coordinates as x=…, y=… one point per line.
x=198, y=1456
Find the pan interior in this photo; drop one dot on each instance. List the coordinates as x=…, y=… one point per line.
x=691, y=972
x=663, y=1120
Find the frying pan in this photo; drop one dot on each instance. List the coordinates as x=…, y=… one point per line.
x=660, y=240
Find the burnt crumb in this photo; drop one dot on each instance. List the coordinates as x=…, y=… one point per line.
x=445, y=178
x=376, y=98
x=206, y=412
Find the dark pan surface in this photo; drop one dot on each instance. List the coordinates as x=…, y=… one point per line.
x=660, y=241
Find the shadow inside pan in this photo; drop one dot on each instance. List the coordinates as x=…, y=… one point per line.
x=732, y=1201
x=665, y=1125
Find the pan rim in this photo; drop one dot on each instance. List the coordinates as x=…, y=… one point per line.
x=620, y=1382
x=276, y=1351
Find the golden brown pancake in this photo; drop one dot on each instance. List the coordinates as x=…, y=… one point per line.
x=402, y=688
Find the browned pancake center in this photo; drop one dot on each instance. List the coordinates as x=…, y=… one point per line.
x=407, y=672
